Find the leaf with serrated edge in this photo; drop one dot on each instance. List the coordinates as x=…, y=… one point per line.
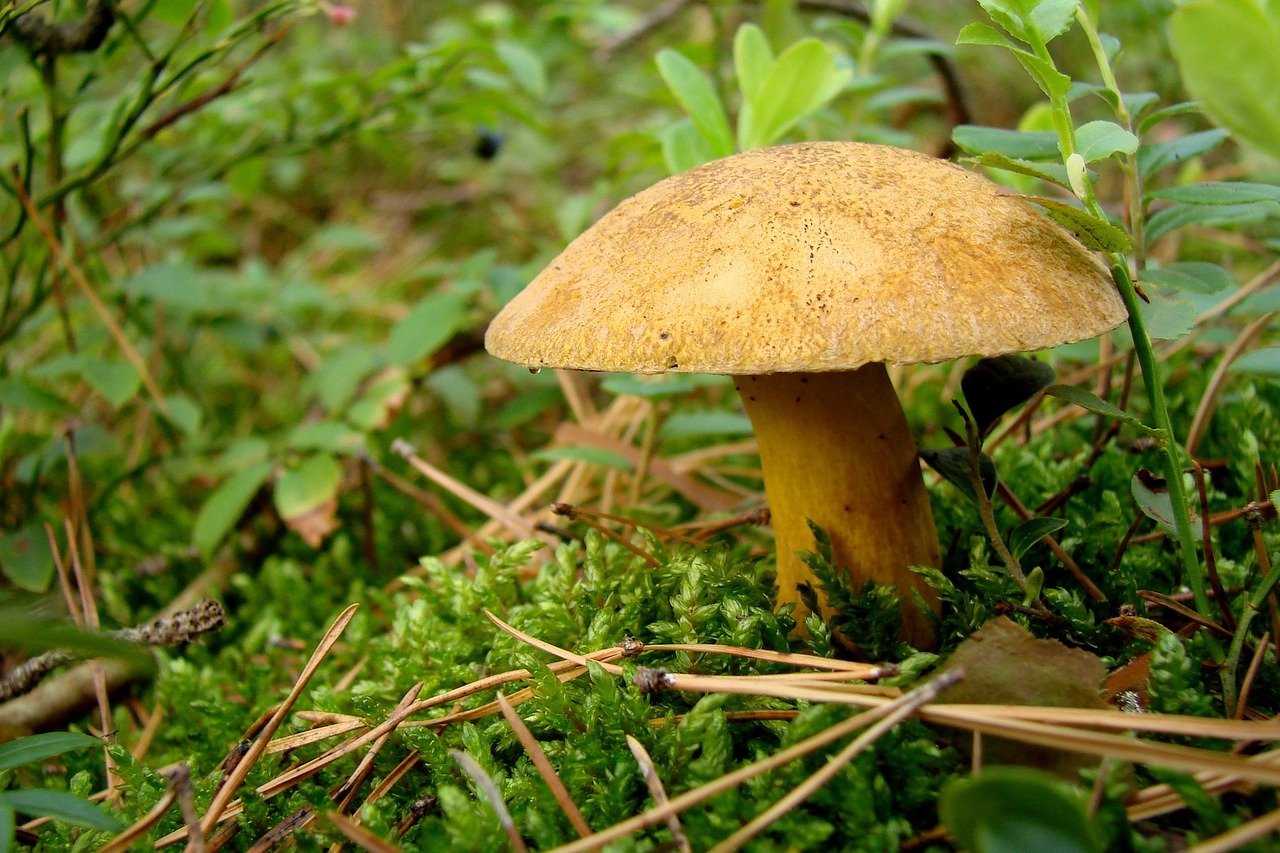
x=1094, y=233
x=1088, y=400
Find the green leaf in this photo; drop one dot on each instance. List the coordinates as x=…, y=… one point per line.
x=26, y=557
x=60, y=805
x=1032, y=20
x=305, y=486
x=1015, y=144
x=752, y=59
x=526, y=67
x=1152, y=158
x=426, y=328
x=1031, y=531
x=1152, y=496
x=698, y=97
x=982, y=34
x=1264, y=361
x=1181, y=215
x=649, y=387
x=332, y=436
x=683, y=147
x=17, y=392
x=590, y=455
x=1051, y=81
x=220, y=511
x=115, y=379
x=180, y=285
x=1191, y=276
x=1051, y=18
x=953, y=464
x=34, y=634
x=184, y=413
x=1154, y=117
x=28, y=750
x=1219, y=192
x=1094, y=233
x=686, y=424
x=1088, y=400
x=1167, y=318
x=993, y=386
x=1098, y=140
x=1014, y=810
x=1054, y=173
x=801, y=81
x=1226, y=50
x=379, y=404
x=335, y=381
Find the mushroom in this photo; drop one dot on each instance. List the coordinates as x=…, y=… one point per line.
x=801, y=270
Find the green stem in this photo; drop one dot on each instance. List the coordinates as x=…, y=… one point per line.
x=1160, y=412
x=1253, y=605
x=1151, y=376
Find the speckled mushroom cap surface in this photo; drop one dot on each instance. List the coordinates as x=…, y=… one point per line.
x=817, y=256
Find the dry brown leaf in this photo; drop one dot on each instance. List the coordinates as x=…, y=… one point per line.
x=1003, y=664
x=315, y=525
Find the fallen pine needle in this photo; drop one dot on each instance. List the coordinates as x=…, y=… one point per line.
x=540, y=761
x=896, y=711
x=473, y=769
x=659, y=793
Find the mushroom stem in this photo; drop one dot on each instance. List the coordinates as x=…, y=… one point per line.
x=836, y=450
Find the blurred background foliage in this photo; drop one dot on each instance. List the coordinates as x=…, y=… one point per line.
x=299, y=222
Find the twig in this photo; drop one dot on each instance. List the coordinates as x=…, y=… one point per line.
x=53, y=701
x=1210, y=559
x=183, y=627
x=1255, y=830
x=495, y=510
x=1246, y=685
x=650, y=22
x=358, y=834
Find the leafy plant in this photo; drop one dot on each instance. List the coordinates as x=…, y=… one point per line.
x=43, y=802
x=1009, y=809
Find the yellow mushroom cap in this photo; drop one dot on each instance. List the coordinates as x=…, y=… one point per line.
x=818, y=256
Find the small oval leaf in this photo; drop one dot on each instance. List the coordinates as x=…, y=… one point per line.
x=954, y=466
x=219, y=513
x=1031, y=531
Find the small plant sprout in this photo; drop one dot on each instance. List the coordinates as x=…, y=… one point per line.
x=802, y=270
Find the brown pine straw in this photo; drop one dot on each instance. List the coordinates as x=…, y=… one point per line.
x=362, y=837
x=543, y=765
x=652, y=781
x=222, y=798
x=1254, y=830
x=1063, y=728
x=490, y=790
x=660, y=813
x=1045, y=726
x=903, y=707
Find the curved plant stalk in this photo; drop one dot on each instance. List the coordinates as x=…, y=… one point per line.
x=1119, y=266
